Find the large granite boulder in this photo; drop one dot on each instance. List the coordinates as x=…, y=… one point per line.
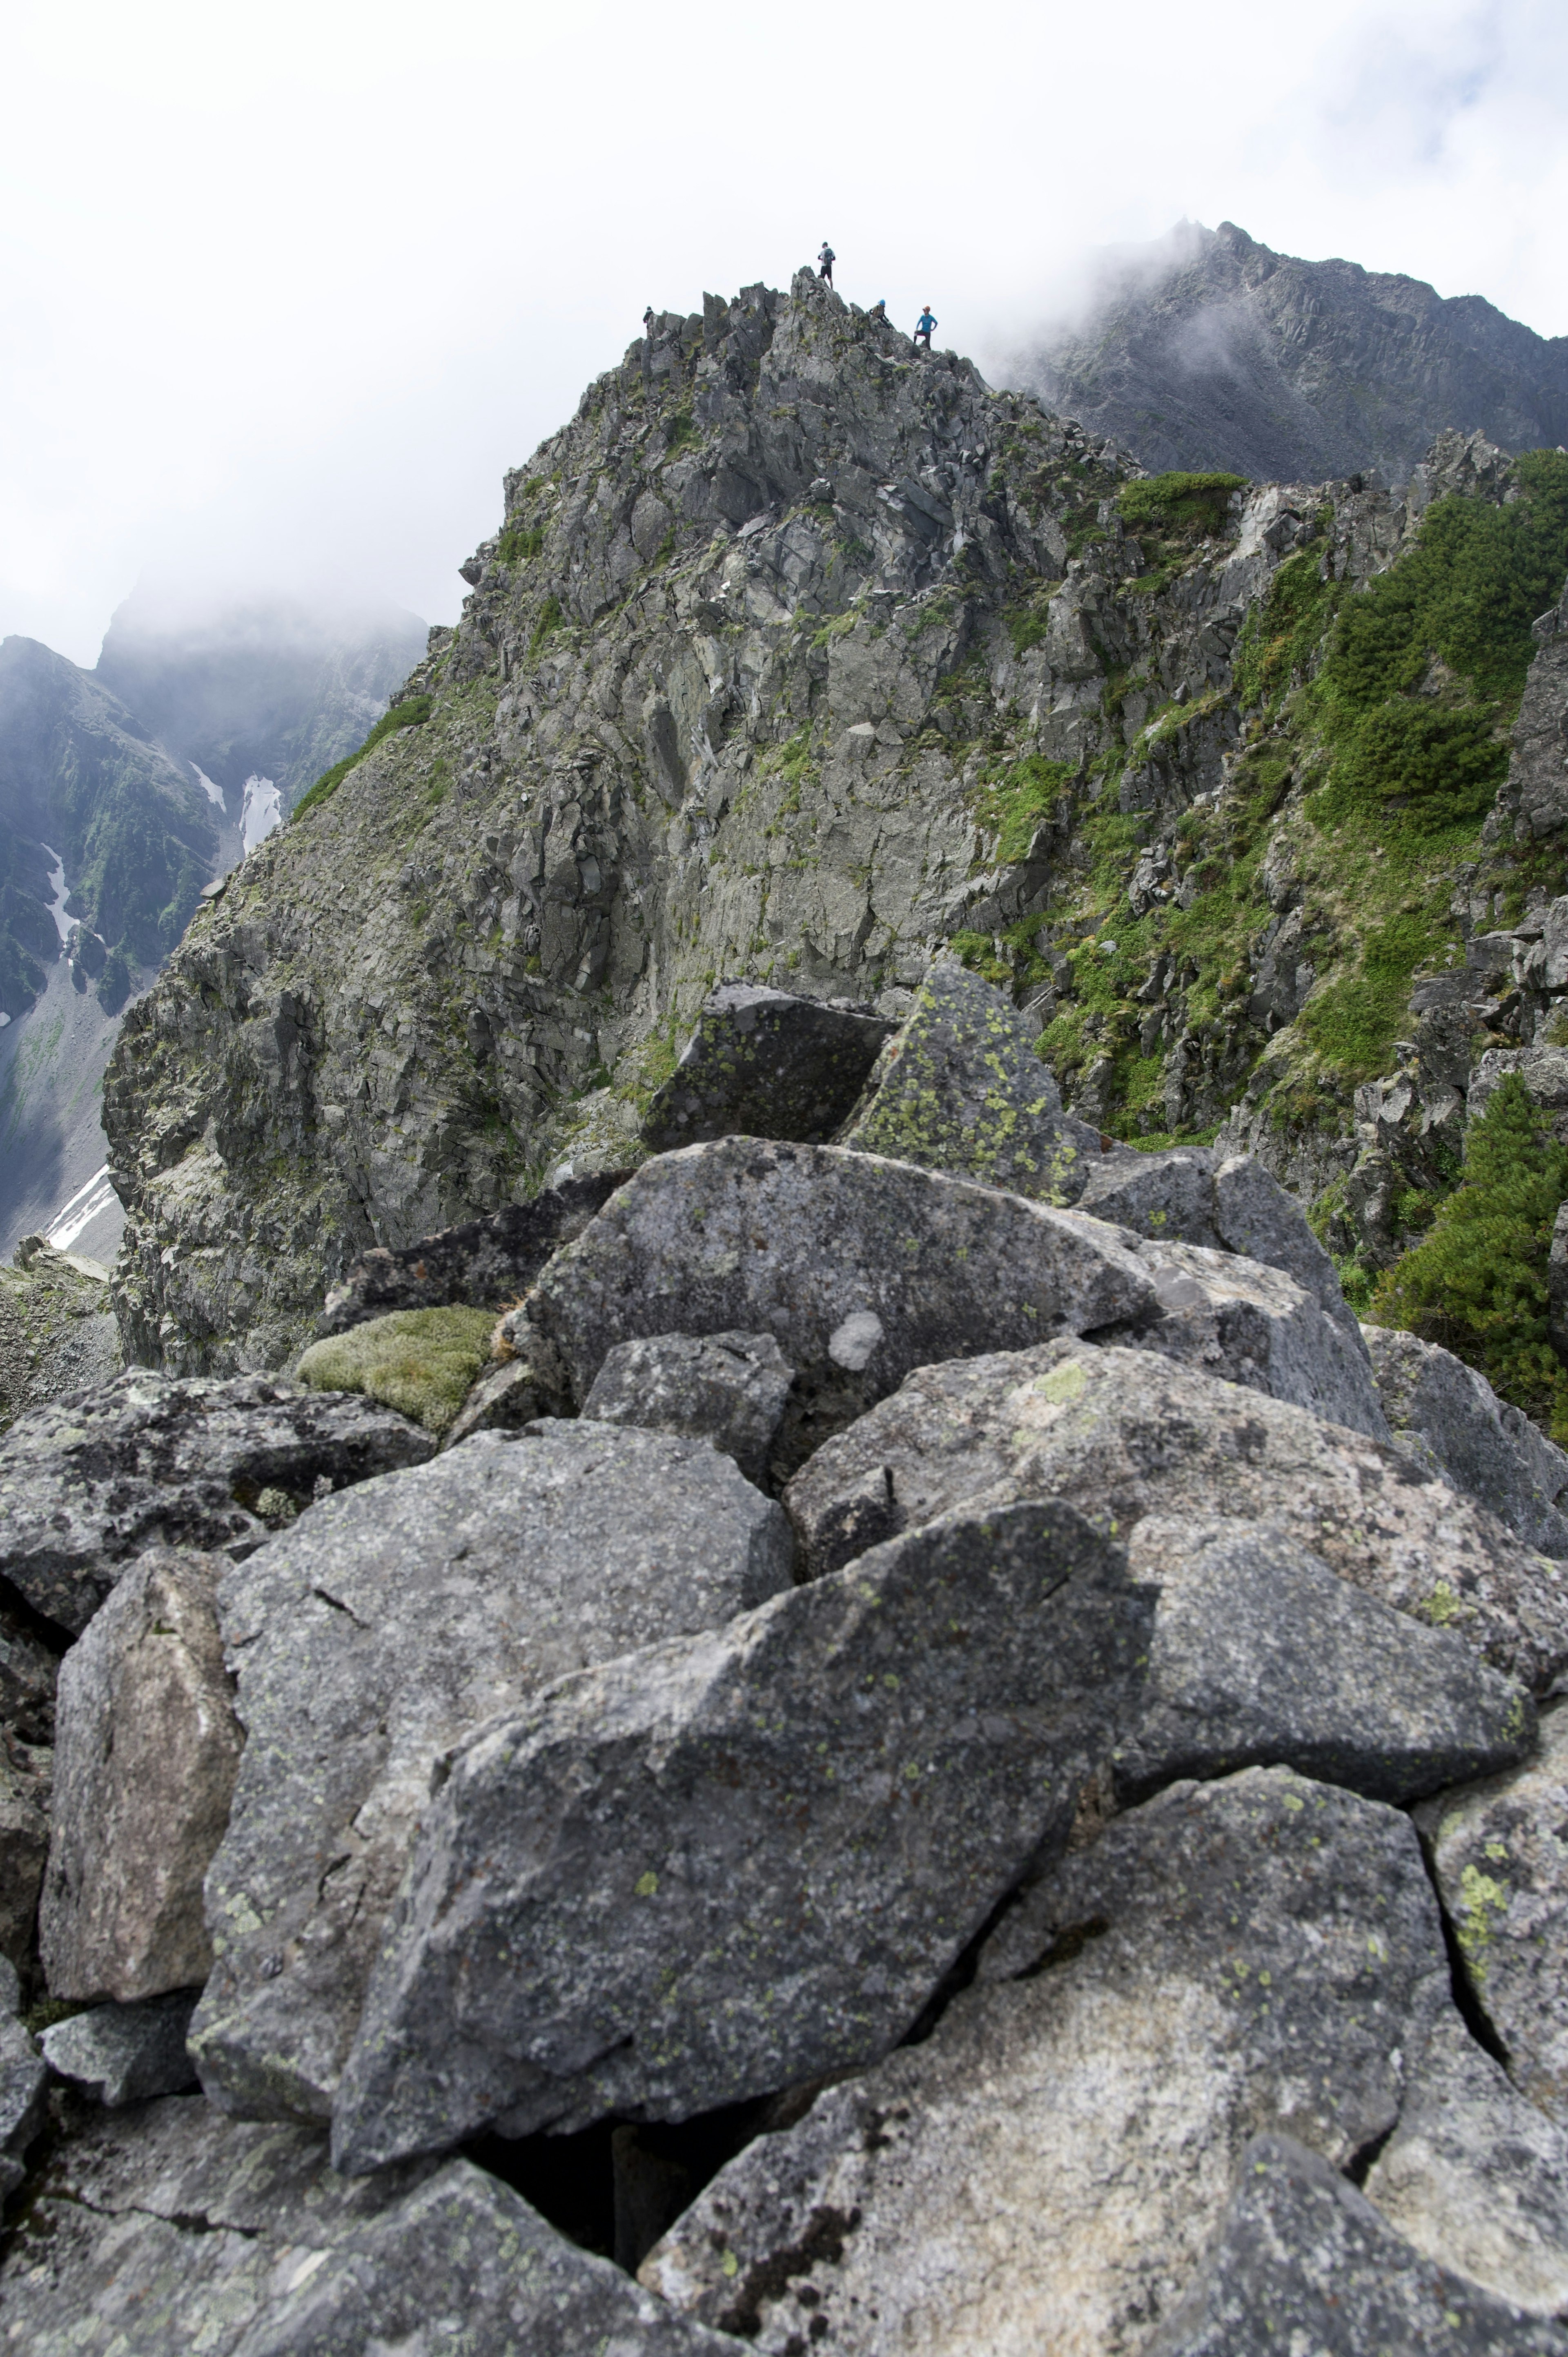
x=761, y=1063
x=1499, y=1852
x=960, y=1088
x=486, y=1263
x=1486, y=1448
x=730, y=1389
x=718, y=1868
x=381, y=1628
x=1121, y=1434
x=124, y=2054
x=145, y=1756
x=860, y=1267
x=1261, y=1654
x=1045, y=2171
x=185, y=1461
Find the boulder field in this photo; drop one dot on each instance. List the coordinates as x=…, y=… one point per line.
x=938, y=1754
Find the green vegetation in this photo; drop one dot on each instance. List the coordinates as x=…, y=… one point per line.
x=1477, y=1283
x=520, y=543
x=424, y=1363
x=1178, y=506
x=551, y=614
x=412, y=714
x=1014, y=799
x=115, y=983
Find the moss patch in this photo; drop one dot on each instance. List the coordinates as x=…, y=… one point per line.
x=412, y=714
x=424, y=1363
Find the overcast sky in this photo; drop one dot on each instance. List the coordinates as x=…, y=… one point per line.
x=285, y=288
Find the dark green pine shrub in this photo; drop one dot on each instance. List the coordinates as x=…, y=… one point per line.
x=1477, y=1283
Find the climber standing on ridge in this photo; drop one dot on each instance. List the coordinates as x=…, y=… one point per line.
x=648, y=323
x=827, y=258
x=923, y=326
x=879, y=311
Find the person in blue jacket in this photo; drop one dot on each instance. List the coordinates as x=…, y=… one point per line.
x=923, y=326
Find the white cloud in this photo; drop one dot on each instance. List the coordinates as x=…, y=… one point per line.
x=286, y=290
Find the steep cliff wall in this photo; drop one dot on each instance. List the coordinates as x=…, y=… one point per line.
x=796, y=655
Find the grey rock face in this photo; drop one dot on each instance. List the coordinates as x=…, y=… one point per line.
x=147, y=1750
x=763, y=1065
x=1486, y=1448
x=1536, y=795
x=1476, y=2177
x=1262, y=1656
x=27, y=1675
x=726, y=1388
x=862, y=1268
x=26, y=1775
x=1121, y=1434
x=376, y=1632
x=57, y=1334
x=486, y=1263
x=467, y=2259
x=1044, y=2171
x=504, y=1399
x=960, y=1088
x=167, y=2227
x=719, y=1868
x=89, y=1483
x=24, y=2077
x=123, y=2053
x=1242, y=1322
x=1500, y=1855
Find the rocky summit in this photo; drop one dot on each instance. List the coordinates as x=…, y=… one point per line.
x=756, y=1652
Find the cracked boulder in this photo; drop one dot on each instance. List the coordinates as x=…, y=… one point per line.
x=761, y=1063
x=1046, y=2170
x=145, y=1756
x=1121, y=1434
x=1485, y=1447
x=87, y=1483
x=1261, y=1654
x=375, y=1633
x=861, y=1268
x=719, y=1868
x=959, y=1088
x=1499, y=1852
x=1305, y=2262
x=730, y=1389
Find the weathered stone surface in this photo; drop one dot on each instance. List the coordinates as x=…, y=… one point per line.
x=1303, y=2262
x=1500, y=1854
x=503, y=1400
x=23, y=2076
x=146, y=1754
x=1263, y=1656
x=87, y=1484
x=959, y=1087
x=123, y=2053
x=1044, y=2171
x=486, y=1263
x=24, y=1779
x=1243, y=1322
x=1476, y=2177
x=862, y=1268
x=1543, y=1070
x=718, y=1868
x=1486, y=1448
x=464, y=2265
x=1167, y=1197
x=1121, y=1434
x=728, y=1388
x=424, y=1363
x=57, y=1333
x=166, y=2227
x=387, y=1623
x=28, y=1673
x=763, y=1065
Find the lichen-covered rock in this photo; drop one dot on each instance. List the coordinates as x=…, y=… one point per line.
x=1121, y=1434
x=24, y=2080
x=1303, y=2262
x=379, y=1629
x=145, y=1756
x=959, y=1087
x=424, y=1363
x=125, y=2053
x=147, y=1459
x=1262, y=1656
x=763, y=1065
x=28, y=1669
x=1485, y=1448
x=57, y=1330
x=1499, y=1852
x=482, y=1264
x=718, y=1868
x=861, y=1268
x=1476, y=2177
x=726, y=1388
x=1046, y=2169
x=504, y=1399
x=24, y=1779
